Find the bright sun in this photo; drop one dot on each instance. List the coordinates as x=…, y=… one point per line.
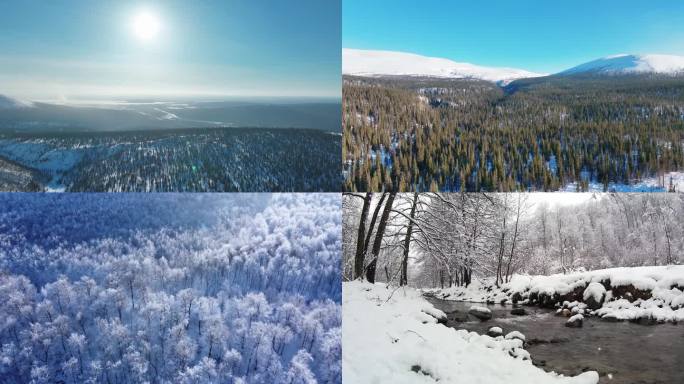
x=146, y=26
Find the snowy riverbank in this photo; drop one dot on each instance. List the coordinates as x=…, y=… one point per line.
x=651, y=294
x=392, y=336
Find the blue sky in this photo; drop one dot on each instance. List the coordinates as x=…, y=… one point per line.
x=543, y=36
x=72, y=49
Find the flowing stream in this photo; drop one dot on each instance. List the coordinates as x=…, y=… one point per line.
x=622, y=352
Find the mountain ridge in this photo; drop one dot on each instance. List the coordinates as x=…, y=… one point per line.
x=370, y=63
x=378, y=63
x=630, y=64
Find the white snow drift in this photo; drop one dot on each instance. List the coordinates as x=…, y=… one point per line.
x=665, y=284
x=392, y=336
x=388, y=63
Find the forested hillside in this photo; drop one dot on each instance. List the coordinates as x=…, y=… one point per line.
x=170, y=288
x=190, y=160
x=542, y=134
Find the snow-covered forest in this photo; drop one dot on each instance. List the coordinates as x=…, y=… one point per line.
x=170, y=288
x=189, y=160
x=439, y=240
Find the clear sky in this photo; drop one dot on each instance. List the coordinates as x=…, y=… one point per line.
x=543, y=36
x=68, y=49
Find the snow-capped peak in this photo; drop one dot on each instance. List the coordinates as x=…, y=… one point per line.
x=389, y=63
x=631, y=64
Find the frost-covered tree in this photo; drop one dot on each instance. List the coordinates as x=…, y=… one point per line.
x=448, y=238
x=170, y=288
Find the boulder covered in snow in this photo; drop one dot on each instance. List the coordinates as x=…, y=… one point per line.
x=482, y=313
x=516, y=297
x=632, y=292
x=610, y=318
x=594, y=295
x=546, y=296
x=575, y=321
x=515, y=335
x=494, y=332
x=438, y=315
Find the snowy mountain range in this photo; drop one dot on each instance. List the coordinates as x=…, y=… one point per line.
x=372, y=63
x=631, y=64
x=387, y=63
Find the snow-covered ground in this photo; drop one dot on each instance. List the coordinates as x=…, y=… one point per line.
x=653, y=293
x=651, y=184
x=392, y=335
x=677, y=179
x=388, y=63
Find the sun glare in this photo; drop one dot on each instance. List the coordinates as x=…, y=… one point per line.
x=146, y=26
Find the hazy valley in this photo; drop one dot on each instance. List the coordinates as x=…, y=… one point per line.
x=168, y=146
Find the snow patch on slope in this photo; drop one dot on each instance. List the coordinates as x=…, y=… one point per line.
x=371, y=63
x=631, y=64
x=10, y=103
x=649, y=184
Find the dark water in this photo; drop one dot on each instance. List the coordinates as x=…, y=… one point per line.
x=622, y=353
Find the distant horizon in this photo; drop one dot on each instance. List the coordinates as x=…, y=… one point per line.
x=84, y=100
x=532, y=35
x=61, y=97
x=68, y=49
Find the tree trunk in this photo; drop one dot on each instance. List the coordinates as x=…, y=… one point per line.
x=370, y=271
x=376, y=211
x=502, y=242
x=561, y=241
x=407, y=242
x=515, y=238
x=360, y=237
x=670, y=259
